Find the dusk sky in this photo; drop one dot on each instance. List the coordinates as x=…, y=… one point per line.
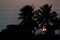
x=9, y=9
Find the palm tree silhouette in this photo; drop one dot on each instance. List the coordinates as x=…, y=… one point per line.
x=44, y=12
x=28, y=24
x=46, y=18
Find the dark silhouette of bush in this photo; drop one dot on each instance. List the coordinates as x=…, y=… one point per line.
x=11, y=28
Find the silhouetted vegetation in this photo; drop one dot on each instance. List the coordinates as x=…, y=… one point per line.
x=44, y=17
x=28, y=23
x=47, y=18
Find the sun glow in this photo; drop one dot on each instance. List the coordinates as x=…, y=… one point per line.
x=44, y=29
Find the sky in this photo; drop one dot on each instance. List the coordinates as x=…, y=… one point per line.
x=9, y=9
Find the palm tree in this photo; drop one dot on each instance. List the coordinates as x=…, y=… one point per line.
x=28, y=24
x=46, y=18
